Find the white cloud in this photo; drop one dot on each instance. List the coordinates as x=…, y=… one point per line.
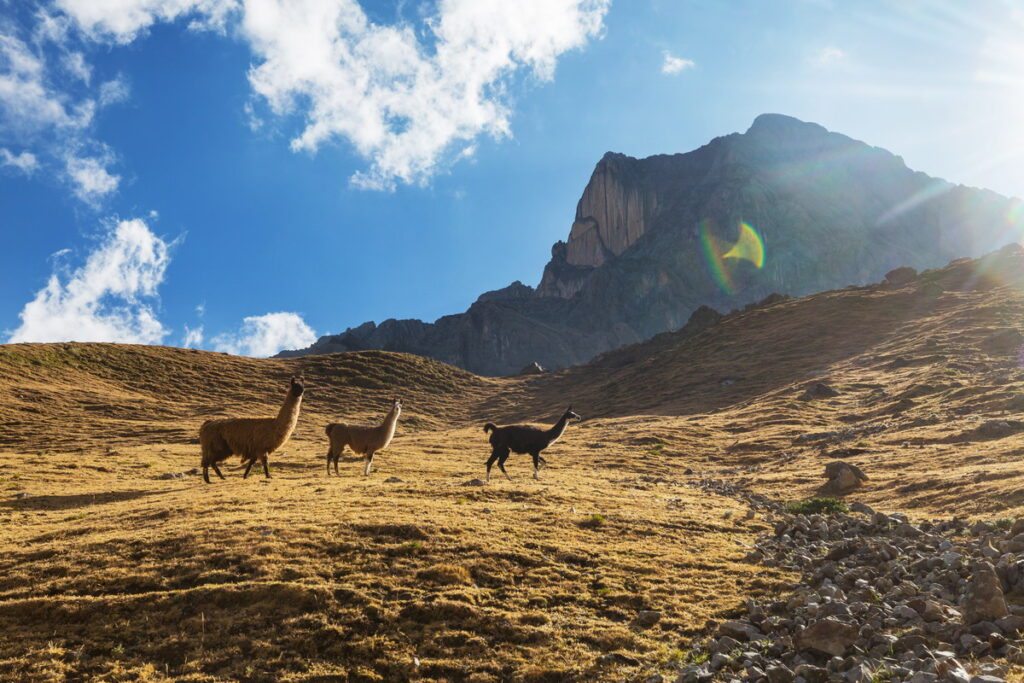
x=265, y=335
x=105, y=299
x=90, y=179
x=122, y=21
x=411, y=100
x=52, y=123
x=27, y=103
x=113, y=91
x=193, y=337
x=673, y=65
x=827, y=56
x=25, y=162
x=75, y=64
x=408, y=105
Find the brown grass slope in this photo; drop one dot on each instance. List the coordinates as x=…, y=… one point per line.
x=112, y=394
x=109, y=571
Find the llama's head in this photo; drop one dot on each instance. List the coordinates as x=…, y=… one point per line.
x=571, y=415
x=396, y=405
x=298, y=386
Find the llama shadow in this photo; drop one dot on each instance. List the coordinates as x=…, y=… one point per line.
x=71, y=502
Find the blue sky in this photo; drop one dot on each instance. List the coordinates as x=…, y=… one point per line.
x=247, y=173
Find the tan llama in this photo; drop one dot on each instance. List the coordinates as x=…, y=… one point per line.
x=253, y=438
x=363, y=440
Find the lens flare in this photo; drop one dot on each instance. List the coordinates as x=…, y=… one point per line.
x=713, y=256
x=749, y=247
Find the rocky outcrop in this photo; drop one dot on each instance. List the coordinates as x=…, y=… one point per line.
x=878, y=598
x=646, y=246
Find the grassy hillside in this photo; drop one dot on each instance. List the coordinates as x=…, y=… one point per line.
x=118, y=563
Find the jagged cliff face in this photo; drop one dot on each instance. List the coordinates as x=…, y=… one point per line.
x=830, y=210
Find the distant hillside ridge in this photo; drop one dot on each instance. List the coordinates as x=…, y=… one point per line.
x=645, y=248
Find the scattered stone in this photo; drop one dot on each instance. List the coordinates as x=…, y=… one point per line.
x=22, y=495
x=172, y=475
x=647, y=618
x=984, y=600
x=828, y=635
x=694, y=674
x=475, y=482
x=843, y=476
x=533, y=368
x=739, y=630
x=394, y=480
x=818, y=390
x=779, y=674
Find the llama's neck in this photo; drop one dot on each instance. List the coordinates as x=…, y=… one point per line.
x=288, y=416
x=555, y=432
x=390, y=422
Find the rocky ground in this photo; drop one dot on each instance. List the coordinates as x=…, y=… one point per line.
x=879, y=598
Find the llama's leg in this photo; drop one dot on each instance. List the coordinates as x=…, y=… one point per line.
x=206, y=473
x=490, y=461
x=328, y=462
x=248, y=467
x=501, y=464
x=337, y=457
x=217, y=470
x=536, y=465
x=266, y=466
x=369, y=463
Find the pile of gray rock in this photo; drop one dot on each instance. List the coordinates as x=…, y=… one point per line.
x=880, y=599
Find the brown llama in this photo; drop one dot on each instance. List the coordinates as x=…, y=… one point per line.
x=253, y=438
x=364, y=440
x=524, y=439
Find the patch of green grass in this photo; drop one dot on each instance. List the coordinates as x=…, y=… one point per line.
x=817, y=506
x=79, y=515
x=409, y=548
x=461, y=500
x=595, y=521
x=1004, y=523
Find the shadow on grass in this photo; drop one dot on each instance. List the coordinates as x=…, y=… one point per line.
x=77, y=500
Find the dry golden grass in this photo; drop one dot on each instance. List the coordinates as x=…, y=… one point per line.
x=117, y=574
x=109, y=572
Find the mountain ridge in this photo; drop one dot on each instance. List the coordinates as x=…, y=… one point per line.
x=831, y=211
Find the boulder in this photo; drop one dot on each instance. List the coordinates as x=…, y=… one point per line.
x=843, y=476
x=984, y=600
x=828, y=636
x=901, y=276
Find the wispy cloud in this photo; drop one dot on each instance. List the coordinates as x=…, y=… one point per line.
x=25, y=162
x=265, y=335
x=828, y=56
x=671, y=65
x=90, y=178
x=43, y=116
x=122, y=21
x=110, y=297
x=193, y=337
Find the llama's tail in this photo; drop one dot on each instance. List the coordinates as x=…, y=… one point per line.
x=490, y=427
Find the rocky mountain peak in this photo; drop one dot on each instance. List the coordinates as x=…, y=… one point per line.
x=647, y=243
